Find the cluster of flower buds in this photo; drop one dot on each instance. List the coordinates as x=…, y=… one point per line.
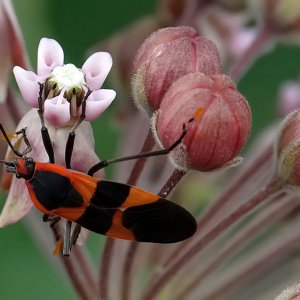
x=176, y=73
x=167, y=55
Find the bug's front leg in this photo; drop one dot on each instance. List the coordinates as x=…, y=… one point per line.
x=71, y=238
x=44, y=130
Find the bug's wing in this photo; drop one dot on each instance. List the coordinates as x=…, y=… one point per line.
x=142, y=216
x=161, y=221
x=127, y=212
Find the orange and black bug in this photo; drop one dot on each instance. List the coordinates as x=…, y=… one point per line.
x=110, y=208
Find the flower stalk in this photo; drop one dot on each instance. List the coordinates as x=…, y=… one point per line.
x=254, y=50
x=159, y=281
x=263, y=221
x=133, y=248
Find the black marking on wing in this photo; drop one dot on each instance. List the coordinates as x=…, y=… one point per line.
x=162, y=221
x=110, y=194
x=54, y=190
x=96, y=219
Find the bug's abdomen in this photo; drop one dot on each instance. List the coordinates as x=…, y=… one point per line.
x=53, y=191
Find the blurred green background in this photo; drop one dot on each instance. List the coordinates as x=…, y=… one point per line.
x=77, y=25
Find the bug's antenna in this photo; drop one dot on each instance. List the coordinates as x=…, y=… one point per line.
x=8, y=163
x=104, y=163
x=9, y=143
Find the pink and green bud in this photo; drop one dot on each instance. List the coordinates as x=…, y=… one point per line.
x=280, y=16
x=288, y=151
x=66, y=85
x=284, y=14
x=290, y=293
x=167, y=55
x=215, y=139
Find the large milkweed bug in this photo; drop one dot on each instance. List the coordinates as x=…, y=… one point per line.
x=110, y=208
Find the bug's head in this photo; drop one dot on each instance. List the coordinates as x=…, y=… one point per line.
x=21, y=165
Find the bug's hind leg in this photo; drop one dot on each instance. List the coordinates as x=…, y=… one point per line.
x=53, y=221
x=67, y=245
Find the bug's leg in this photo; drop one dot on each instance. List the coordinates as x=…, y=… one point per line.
x=72, y=134
x=53, y=221
x=75, y=234
x=44, y=131
x=29, y=148
x=67, y=244
x=105, y=163
x=50, y=218
x=70, y=239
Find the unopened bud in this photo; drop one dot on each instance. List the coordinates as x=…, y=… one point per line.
x=290, y=293
x=167, y=55
x=288, y=151
x=286, y=14
x=215, y=138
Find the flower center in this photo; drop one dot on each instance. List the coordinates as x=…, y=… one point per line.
x=67, y=76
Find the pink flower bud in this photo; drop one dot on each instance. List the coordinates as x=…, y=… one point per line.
x=288, y=151
x=167, y=55
x=290, y=293
x=213, y=140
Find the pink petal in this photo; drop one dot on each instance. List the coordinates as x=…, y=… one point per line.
x=28, y=85
x=96, y=69
x=50, y=55
x=56, y=113
x=17, y=205
x=98, y=102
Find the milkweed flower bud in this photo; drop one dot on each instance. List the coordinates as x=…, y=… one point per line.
x=290, y=293
x=167, y=55
x=215, y=139
x=288, y=151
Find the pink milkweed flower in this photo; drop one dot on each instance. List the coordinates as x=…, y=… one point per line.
x=66, y=85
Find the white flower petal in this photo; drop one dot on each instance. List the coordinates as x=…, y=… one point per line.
x=96, y=69
x=50, y=55
x=17, y=205
x=28, y=85
x=57, y=114
x=98, y=102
